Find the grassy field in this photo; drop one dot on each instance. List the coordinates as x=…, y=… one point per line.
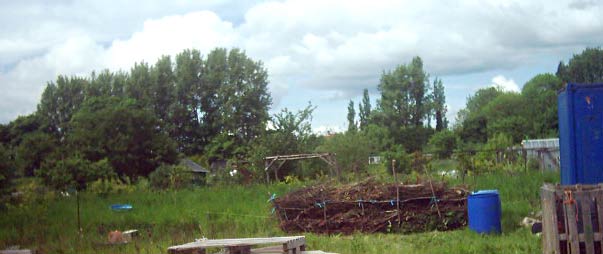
x=175, y=217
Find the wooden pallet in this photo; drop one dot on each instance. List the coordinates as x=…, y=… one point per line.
x=572, y=219
x=288, y=245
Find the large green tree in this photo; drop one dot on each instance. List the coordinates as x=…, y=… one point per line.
x=586, y=67
x=404, y=94
x=139, y=83
x=60, y=101
x=245, y=97
x=236, y=90
x=404, y=104
x=192, y=96
x=122, y=131
x=540, y=94
x=162, y=90
x=506, y=114
x=473, y=122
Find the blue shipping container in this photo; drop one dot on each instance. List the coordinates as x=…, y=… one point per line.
x=580, y=110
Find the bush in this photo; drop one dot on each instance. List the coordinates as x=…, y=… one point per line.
x=160, y=178
x=403, y=160
x=352, y=150
x=6, y=174
x=170, y=176
x=444, y=143
x=104, y=187
x=74, y=172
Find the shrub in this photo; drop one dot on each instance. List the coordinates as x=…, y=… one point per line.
x=170, y=176
x=74, y=172
x=352, y=150
x=104, y=187
x=403, y=160
x=444, y=143
x=6, y=174
x=160, y=178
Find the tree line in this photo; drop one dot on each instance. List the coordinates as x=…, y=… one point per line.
x=401, y=126
x=215, y=108
x=128, y=123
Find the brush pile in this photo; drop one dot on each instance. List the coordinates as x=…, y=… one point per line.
x=371, y=207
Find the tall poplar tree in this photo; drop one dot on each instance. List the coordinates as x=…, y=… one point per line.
x=364, y=110
x=351, y=117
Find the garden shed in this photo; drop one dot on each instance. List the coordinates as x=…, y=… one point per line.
x=199, y=173
x=545, y=151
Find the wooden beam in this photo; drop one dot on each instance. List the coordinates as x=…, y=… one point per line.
x=277, y=168
x=328, y=158
x=270, y=164
x=297, y=156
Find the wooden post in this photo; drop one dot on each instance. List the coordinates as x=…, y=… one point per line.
x=540, y=161
x=525, y=159
x=324, y=213
x=79, y=224
x=397, y=192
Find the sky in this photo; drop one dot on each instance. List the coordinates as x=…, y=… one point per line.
x=323, y=52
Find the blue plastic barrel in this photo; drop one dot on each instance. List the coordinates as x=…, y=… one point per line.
x=484, y=211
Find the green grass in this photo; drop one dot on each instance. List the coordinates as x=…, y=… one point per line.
x=176, y=217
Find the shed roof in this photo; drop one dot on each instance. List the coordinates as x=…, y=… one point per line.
x=540, y=143
x=194, y=167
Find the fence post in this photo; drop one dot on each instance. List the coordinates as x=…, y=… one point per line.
x=397, y=192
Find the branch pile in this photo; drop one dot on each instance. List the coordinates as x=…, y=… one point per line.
x=371, y=207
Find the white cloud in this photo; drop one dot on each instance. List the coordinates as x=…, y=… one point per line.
x=170, y=35
x=336, y=47
x=505, y=84
x=328, y=129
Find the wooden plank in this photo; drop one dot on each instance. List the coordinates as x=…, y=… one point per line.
x=545, y=199
x=550, y=238
x=585, y=202
x=555, y=244
x=570, y=219
x=561, y=196
x=581, y=237
x=598, y=196
x=235, y=242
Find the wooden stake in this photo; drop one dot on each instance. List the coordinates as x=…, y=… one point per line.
x=397, y=192
x=79, y=224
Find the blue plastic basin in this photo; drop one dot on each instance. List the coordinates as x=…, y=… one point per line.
x=121, y=207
